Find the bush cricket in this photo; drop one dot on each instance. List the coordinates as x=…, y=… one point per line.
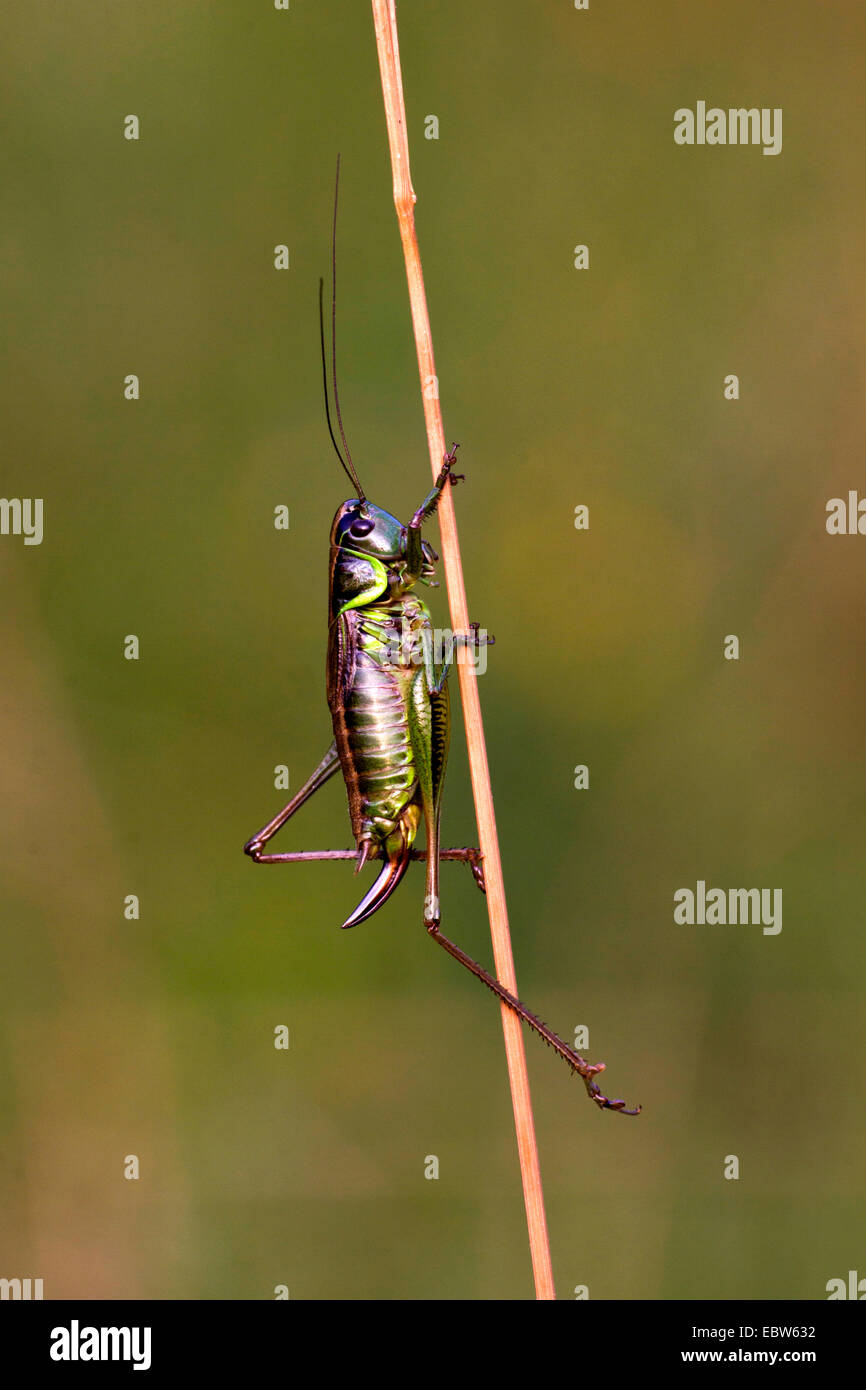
x=389, y=707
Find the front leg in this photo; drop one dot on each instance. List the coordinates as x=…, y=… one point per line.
x=414, y=553
x=431, y=501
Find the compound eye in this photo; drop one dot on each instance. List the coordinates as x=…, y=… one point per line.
x=362, y=527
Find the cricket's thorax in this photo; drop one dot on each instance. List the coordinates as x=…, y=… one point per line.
x=373, y=726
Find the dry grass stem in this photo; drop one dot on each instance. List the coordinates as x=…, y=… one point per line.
x=404, y=198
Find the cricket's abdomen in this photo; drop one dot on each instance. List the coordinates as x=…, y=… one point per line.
x=377, y=730
x=372, y=728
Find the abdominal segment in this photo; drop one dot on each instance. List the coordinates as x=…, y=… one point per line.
x=377, y=731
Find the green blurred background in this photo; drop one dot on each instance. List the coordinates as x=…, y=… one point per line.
x=155, y=1037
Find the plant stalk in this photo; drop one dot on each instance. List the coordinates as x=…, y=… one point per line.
x=385, y=20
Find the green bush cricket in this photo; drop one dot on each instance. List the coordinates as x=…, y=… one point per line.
x=389, y=707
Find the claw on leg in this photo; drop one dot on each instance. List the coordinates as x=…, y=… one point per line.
x=475, y=864
x=447, y=465
x=479, y=639
x=594, y=1091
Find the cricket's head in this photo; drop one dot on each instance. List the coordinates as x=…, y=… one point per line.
x=369, y=555
x=369, y=530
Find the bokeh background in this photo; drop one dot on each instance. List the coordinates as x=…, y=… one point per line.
x=155, y=1037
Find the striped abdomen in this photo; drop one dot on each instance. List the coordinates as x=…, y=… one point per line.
x=378, y=741
x=372, y=728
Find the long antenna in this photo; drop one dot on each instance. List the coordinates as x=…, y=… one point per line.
x=325, y=384
x=350, y=467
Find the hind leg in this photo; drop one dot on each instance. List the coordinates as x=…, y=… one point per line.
x=253, y=847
